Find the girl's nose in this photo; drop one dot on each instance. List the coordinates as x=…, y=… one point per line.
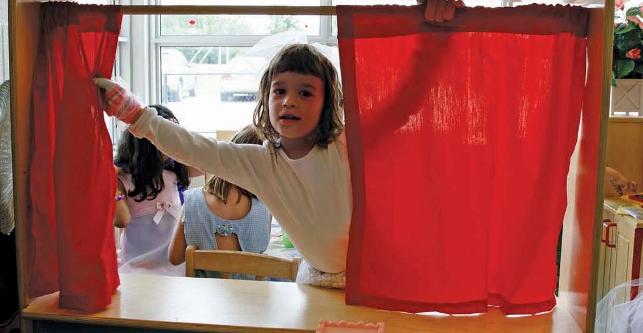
x=288, y=102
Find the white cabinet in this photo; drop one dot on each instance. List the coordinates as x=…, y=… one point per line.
x=620, y=258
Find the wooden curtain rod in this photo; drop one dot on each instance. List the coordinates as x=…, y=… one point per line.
x=228, y=10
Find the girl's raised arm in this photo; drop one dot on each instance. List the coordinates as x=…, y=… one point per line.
x=238, y=164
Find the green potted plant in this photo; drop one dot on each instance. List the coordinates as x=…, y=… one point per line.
x=627, y=42
x=627, y=65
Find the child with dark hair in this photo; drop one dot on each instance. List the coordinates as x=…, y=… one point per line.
x=301, y=171
x=147, y=202
x=223, y=216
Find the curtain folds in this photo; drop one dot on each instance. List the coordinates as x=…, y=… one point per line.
x=459, y=137
x=72, y=180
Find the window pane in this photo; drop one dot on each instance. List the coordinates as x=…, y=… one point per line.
x=238, y=24
x=210, y=88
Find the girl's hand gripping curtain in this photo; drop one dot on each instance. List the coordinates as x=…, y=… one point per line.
x=120, y=102
x=440, y=10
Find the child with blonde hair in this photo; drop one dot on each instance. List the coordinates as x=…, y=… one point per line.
x=301, y=171
x=222, y=216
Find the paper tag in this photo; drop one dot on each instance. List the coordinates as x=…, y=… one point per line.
x=341, y=326
x=158, y=216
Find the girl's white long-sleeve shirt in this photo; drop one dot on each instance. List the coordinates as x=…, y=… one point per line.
x=310, y=196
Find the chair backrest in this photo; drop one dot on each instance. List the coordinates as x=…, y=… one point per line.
x=225, y=135
x=226, y=262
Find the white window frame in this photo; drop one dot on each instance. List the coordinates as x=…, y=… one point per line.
x=144, y=71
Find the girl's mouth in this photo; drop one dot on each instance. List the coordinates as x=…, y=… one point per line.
x=288, y=117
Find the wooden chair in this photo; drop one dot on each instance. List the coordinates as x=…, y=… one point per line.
x=226, y=262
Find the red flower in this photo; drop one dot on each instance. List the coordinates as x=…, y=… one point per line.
x=634, y=54
x=634, y=19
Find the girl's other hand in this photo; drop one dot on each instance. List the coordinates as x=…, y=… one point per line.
x=120, y=102
x=440, y=10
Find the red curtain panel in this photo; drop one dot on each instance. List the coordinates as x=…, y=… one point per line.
x=459, y=137
x=72, y=180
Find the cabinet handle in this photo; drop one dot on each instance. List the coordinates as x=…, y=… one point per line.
x=607, y=225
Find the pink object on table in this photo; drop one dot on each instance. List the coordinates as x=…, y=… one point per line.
x=326, y=326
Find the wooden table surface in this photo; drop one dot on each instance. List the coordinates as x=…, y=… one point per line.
x=217, y=305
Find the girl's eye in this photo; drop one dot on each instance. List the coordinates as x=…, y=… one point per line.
x=305, y=93
x=278, y=91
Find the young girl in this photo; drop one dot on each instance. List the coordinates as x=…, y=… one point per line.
x=301, y=172
x=223, y=216
x=147, y=203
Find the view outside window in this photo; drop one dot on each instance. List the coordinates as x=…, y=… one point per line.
x=210, y=88
x=207, y=25
x=210, y=65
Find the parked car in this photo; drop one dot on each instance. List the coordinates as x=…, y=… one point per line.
x=177, y=78
x=241, y=75
x=240, y=79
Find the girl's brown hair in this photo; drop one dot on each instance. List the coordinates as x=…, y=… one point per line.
x=303, y=59
x=219, y=187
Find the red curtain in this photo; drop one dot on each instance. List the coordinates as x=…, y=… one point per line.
x=72, y=180
x=460, y=137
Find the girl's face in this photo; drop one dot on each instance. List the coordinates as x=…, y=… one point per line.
x=295, y=103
